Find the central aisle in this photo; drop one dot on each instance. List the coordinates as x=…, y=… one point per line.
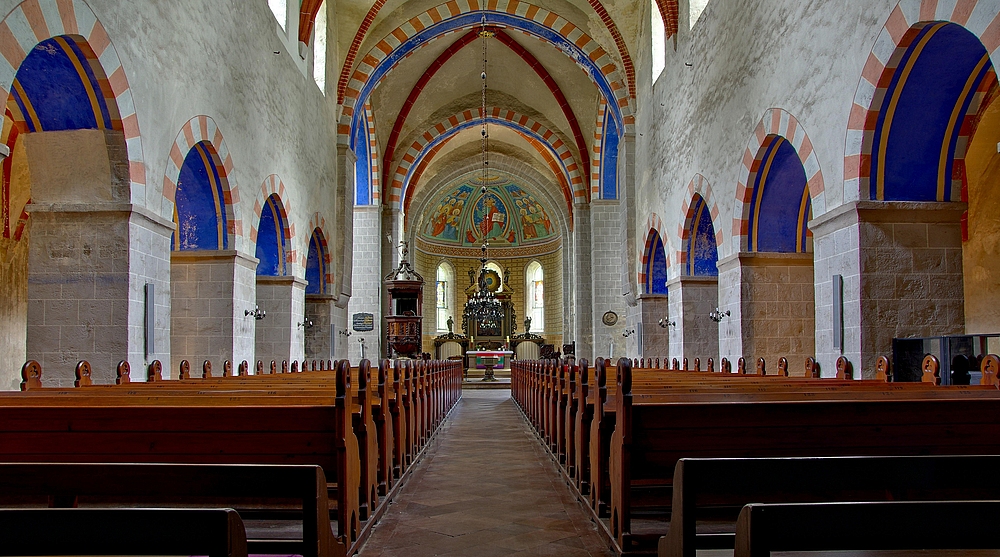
x=485, y=487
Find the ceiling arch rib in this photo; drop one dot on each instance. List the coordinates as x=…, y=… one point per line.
x=525, y=55
x=440, y=21
x=369, y=19
x=569, y=169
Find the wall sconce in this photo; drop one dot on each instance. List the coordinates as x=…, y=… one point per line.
x=664, y=323
x=718, y=315
x=257, y=313
x=628, y=333
x=345, y=333
x=307, y=324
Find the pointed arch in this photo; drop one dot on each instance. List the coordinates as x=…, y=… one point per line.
x=317, y=263
x=775, y=123
x=701, y=222
x=653, y=271
x=203, y=129
x=272, y=198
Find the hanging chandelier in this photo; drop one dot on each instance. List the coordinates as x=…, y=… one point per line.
x=483, y=306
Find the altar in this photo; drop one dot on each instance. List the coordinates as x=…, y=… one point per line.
x=477, y=365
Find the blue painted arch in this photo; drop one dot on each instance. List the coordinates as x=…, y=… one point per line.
x=920, y=123
x=701, y=247
x=200, y=203
x=609, y=159
x=272, y=239
x=780, y=206
x=656, y=265
x=469, y=21
x=316, y=264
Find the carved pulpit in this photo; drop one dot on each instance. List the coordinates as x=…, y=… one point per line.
x=404, y=314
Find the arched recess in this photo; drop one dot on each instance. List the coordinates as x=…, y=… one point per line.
x=280, y=294
x=654, y=264
x=204, y=131
x=366, y=173
x=781, y=184
x=200, y=208
x=318, y=264
x=319, y=297
x=272, y=236
x=700, y=240
x=930, y=77
x=450, y=18
x=65, y=117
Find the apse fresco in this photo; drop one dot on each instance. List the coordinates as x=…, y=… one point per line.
x=506, y=215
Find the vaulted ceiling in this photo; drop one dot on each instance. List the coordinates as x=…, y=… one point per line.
x=420, y=75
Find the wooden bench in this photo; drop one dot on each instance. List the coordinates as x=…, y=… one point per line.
x=270, y=492
x=713, y=490
x=212, y=532
x=652, y=434
x=880, y=526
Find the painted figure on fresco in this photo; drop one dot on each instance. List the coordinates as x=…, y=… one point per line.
x=444, y=224
x=490, y=217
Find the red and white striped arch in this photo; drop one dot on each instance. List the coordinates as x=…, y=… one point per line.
x=980, y=17
x=384, y=48
x=34, y=21
x=317, y=222
x=375, y=175
x=776, y=122
x=653, y=226
x=699, y=186
x=596, y=171
x=573, y=173
x=273, y=185
x=198, y=129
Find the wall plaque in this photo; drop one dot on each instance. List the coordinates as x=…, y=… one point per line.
x=364, y=322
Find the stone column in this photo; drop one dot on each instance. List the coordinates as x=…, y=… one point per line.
x=776, y=314
x=210, y=293
x=319, y=339
x=583, y=327
x=606, y=277
x=909, y=281
x=280, y=335
x=694, y=334
x=655, y=339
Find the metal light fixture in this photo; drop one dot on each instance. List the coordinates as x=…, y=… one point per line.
x=307, y=324
x=718, y=315
x=628, y=333
x=664, y=323
x=257, y=313
x=483, y=305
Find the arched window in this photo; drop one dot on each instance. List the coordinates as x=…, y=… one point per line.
x=535, y=299
x=280, y=10
x=319, y=48
x=659, y=39
x=445, y=295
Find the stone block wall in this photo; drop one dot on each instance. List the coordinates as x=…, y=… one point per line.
x=149, y=263
x=911, y=274
x=778, y=309
x=280, y=335
x=606, y=276
x=731, y=344
x=319, y=341
x=367, y=280
x=209, y=298
x=655, y=339
x=78, y=292
x=837, y=252
x=694, y=334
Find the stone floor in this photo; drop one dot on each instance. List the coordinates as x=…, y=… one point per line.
x=485, y=487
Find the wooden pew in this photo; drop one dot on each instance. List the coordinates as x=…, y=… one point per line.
x=212, y=532
x=651, y=435
x=880, y=526
x=714, y=490
x=245, y=486
x=118, y=426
